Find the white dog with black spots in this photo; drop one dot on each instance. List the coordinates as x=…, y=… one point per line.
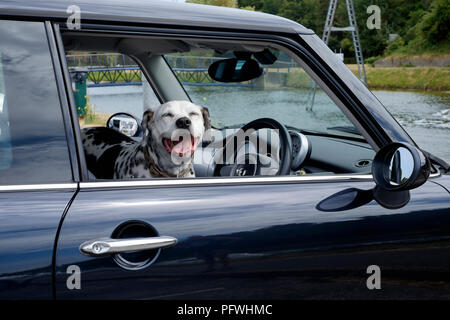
x=171, y=134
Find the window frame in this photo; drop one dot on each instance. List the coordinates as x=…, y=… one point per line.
x=64, y=98
x=346, y=102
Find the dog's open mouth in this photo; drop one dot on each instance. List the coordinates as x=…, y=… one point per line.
x=182, y=146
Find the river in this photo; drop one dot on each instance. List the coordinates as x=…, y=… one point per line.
x=424, y=115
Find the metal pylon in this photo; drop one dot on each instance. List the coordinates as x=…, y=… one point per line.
x=353, y=28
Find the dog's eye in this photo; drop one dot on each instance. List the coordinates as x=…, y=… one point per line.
x=168, y=114
x=193, y=114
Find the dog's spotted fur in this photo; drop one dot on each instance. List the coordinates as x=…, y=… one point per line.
x=113, y=155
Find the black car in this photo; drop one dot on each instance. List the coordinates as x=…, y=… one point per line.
x=353, y=209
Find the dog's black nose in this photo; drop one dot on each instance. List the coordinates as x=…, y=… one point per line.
x=183, y=123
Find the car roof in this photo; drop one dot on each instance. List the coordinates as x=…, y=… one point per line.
x=155, y=13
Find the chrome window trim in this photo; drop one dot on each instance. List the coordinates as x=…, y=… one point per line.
x=39, y=187
x=435, y=175
x=191, y=182
x=213, y=181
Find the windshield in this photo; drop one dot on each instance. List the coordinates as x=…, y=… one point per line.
x=284, y=92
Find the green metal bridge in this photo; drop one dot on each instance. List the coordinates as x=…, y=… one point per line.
x=120, y=70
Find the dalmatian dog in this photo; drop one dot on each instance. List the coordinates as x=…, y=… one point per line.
x=171, y=134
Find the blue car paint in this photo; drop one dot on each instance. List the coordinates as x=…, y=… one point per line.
x=239, y=241
x=259, y=241
x=28, y=226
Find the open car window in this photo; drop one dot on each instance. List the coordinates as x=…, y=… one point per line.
x=107, y=83
x=284, y=91
x=247, y=110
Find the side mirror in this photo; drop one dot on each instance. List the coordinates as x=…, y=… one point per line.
x=124, y=123
x=399, y=167
x=396, y=169
x=235, y=70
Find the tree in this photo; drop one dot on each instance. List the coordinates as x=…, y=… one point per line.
x=220, y=3
x=256, y=4
x=435, y=26
x=419, y=23
x=272, y=6
x=293, y=10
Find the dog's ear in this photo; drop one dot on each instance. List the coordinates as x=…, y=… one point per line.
x=146, y=119
x=206, y=119
x=207, y=123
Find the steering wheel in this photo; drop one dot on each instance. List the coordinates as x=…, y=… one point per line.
x=246, y=169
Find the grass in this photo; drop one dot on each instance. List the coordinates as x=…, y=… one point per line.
x=92, y=118
x=97, y=120
x=417, y=78
x=405, y=77
x=422, y=50
x=298, y=79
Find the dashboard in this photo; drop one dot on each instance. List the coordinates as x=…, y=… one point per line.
x=311, y=154
x=257, y=152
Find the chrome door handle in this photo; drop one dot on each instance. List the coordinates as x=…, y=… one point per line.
x=101, y=247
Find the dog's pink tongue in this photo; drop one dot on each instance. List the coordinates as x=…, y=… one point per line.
x=167, y=145
x=182, y=147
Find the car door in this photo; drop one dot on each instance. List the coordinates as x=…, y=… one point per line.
x=252, y=238
x=36, y=181
x=256, y=240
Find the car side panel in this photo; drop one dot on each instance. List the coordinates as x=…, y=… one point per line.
x=28, y=224
x=444, y=181
x=261, y=242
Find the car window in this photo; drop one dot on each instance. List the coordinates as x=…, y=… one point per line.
x=212, y=91
x=33, y=146
x=284, y=92
x=104, y=84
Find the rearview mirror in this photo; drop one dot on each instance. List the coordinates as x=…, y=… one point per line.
x=235, y=70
